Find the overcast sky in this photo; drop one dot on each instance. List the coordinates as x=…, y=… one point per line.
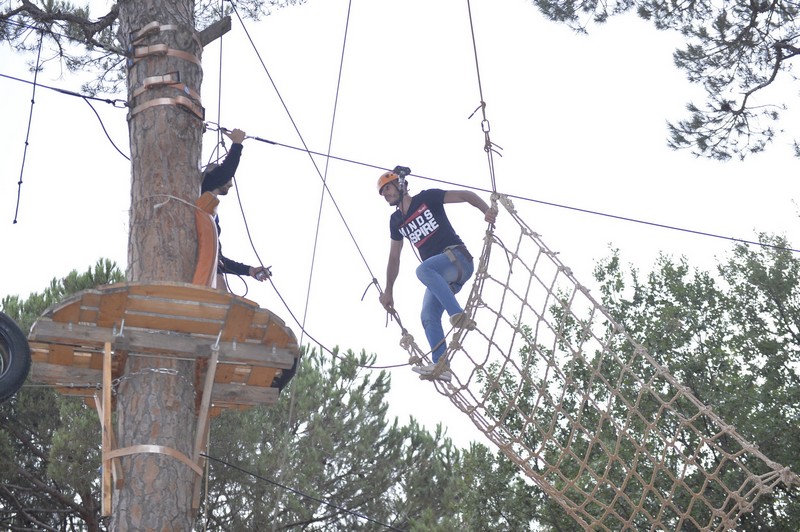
x=581, y=121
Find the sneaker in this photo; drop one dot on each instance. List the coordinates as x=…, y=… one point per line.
x=444, y=376
x=461, y=320
x=426, y=372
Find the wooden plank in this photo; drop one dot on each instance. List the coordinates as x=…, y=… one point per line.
x=68, y=314
x=237, y=321
x=276, y=335
x=86, y=393
x=111, y=309
x=47, y=332
x=97, y=361
x=241, y=374
x=159, y=323
x=185, y=292
x=61, y=354
x=88, y=315
x=215, y=30
x=87, y=381
x=239, y=394
x=254, y=354
x=59, y=374
x=82, y=359
x=179, y=308
x=225, y=373
x=201, y=434
x=261, y=376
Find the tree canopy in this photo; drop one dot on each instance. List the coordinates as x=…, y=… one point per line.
x=87, y=39
x=736, y=50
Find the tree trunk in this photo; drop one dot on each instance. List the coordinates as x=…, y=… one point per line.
x=155, y=398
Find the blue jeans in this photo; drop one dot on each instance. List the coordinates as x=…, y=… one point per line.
x=441, y=279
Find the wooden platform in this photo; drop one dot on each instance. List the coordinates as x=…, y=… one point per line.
x=182, y=320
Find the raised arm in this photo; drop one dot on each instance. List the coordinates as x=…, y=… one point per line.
x=462, y=196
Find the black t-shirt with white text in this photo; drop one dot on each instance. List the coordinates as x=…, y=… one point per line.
x=425, y=224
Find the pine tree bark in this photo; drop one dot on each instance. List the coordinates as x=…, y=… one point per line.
x=155, y=399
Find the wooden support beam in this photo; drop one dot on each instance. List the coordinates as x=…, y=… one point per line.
x=215, y=30
x=203, y=417
x=105, y=425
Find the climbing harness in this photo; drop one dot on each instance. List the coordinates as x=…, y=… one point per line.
x=450, y=252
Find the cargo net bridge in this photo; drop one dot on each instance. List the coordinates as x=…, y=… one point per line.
x=590, y=416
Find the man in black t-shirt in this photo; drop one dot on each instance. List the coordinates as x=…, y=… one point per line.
x=218, y=179
x=446, y=264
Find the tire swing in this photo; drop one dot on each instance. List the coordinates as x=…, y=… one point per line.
x=15, y=357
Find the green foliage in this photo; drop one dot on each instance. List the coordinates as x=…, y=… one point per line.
x=50, y=444
x=25, y=312
x=735, y=50
x=608, y=415
x=83, y=40
x=325, y=457
x=327, y=449
x=732, y=339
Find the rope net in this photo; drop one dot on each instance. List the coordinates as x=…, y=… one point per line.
x=583, y=409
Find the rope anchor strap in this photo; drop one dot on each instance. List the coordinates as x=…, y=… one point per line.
x=141, y=52
x=181, y=101
x=154, y=27
x=172, y=79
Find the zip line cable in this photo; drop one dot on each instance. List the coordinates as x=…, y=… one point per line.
x=30, y=121
x=298, y=492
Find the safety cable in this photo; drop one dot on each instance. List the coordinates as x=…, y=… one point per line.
x=298, y=492
x=541, y=202
x=28, y=132
x=122, y=103
x=322, y=346
x=324, y=184
x=302, y=140
x=325, y=175
x=118, y=103
x=489, y=146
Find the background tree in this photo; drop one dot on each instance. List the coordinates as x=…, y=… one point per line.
x=332, y=442
x=731, y=338
x=326, y=449
x=735, y=50
x=49, y=452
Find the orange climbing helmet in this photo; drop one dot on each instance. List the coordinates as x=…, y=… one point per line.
x=385, y=179
x=398, y=174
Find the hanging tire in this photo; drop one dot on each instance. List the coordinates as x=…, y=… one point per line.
x=15, y=357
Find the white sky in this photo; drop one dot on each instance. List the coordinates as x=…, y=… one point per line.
x=581, y=120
